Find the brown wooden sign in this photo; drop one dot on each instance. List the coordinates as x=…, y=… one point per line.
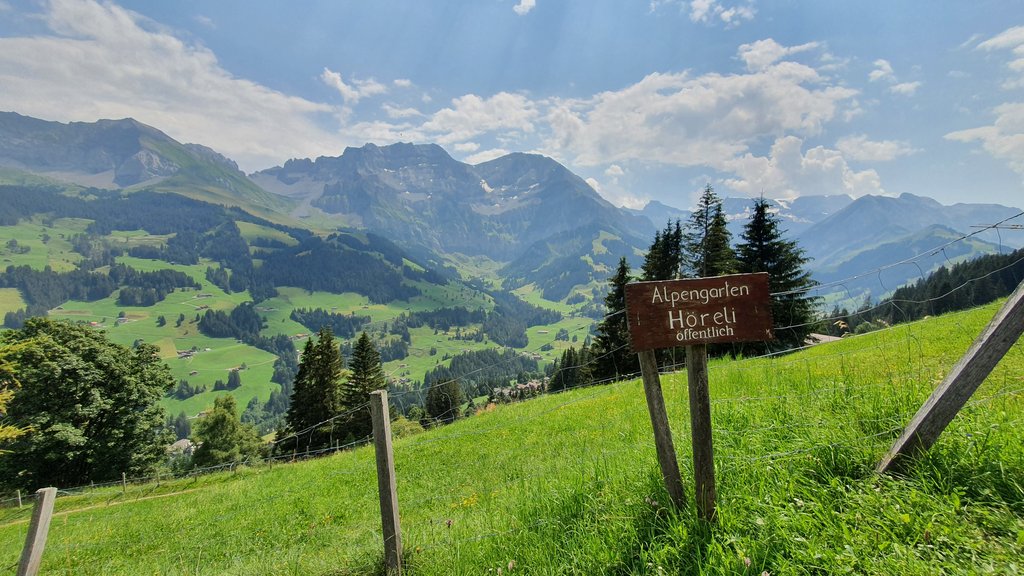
x=669, y=313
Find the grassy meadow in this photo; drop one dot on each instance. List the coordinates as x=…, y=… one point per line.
x=569, y=484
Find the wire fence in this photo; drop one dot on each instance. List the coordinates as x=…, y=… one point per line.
x=466, y=489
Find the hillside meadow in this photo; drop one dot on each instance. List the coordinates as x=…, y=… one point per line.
x=569, y=484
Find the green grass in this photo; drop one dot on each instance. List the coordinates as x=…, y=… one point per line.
x=10, y=300
x=569, y=484
x=55, y=252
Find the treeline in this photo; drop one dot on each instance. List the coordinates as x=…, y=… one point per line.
x=332, y=265
x=46, y=289
x=507, y=323
x=961, y=286
x=479, y=371
x=443, y=318
x=342, y=325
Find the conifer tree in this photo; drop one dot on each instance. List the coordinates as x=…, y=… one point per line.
x=664, y=258
x=613, y=356
x=366, y=374
x=763, y=249
x=316, y=395
x=706, y=242
x=444, y=400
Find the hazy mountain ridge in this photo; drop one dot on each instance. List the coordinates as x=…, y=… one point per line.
x=420, y=194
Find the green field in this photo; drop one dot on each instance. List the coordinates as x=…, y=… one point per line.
x=569, y=484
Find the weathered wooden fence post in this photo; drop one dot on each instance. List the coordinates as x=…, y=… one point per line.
x=39, y=526
x=124, y=483
x=693, y=313
x=965, y=377
x=386, y=485
x=662, y=432
x=19, y=498
x=700, y=429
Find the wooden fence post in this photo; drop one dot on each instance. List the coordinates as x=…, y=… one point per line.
x=19, y=498
x=124, y=483
x=662, y=432
x=700, y=429
x=965, y=377
x=39, y=526
x=386, y=485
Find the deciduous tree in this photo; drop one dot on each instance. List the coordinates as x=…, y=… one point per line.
x=91, y=407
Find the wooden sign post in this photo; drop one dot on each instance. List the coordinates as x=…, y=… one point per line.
x=693, y=313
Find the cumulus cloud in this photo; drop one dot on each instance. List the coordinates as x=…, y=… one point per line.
x=672, y=118
x=763, y=53
x=355, y=91
x=789, y=172
x=860, y=148
x=614, y=171
x=206, y=21
x=103, y=61
x=905, y=88
x=1004, y=139
x=466, y=147
x=883, y=71
x=470, y=116
x=524, y=6
x=402, y=83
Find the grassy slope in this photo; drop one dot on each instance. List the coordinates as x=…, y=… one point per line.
x=568, y=484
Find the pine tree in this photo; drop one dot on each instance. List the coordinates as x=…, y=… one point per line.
x=366, y=375
x=316, y=395
x=764, y=249
x=706, y=243
x=613, y=357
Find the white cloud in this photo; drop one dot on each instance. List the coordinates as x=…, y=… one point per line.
x=905, y=88
x=708, y=11
x=789, y=172
x=354, y=92
x=883, y=71
x=1004, y=139
x=470, y=116
x=402, y=83
x=396, y=112
x=862, y=149
x=1010, y=39
x=102, y=61
x=674, y=119
x=466, y=147
x=614, y=171
x=763, y=53
x=206, y=21
x=524, y=6
x=486, y=156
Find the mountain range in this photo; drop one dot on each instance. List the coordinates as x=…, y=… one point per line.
x=535, y=220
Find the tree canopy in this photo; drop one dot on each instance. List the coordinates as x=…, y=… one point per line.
x=222, y=438
x=90, y=407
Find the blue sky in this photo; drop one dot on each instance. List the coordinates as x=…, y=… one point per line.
x=645, y=99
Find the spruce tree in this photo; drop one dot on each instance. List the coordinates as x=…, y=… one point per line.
x=706, y=242
x=664, y=258
x=613, y=356
x=763, y=249
x=366, y=374
x=316, y=395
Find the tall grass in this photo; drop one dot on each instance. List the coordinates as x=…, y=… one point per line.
x=569, y=484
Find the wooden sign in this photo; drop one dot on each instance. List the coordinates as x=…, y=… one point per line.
x=670, y=313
